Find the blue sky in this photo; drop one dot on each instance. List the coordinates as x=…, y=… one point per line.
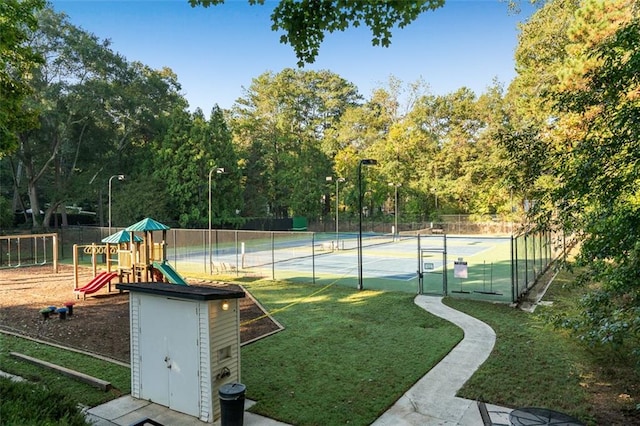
x=217, y=51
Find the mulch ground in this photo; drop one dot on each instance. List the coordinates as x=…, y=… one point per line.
x=100, y=323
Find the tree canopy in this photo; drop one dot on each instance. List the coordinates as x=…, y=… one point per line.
x=576, y=107
x=305, y=23
x=17, y=61
x=563, y=138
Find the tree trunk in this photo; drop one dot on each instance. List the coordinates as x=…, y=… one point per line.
x=35, y=205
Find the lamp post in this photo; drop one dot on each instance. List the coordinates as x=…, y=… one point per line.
x=120, y=177
x=218, y=170
x=364, y=162
x=395, y=228
x=338, y=180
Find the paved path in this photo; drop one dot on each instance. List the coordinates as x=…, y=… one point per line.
x=432, y=400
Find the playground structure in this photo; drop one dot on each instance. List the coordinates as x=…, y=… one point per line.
x=138, y=259
x=29, y=250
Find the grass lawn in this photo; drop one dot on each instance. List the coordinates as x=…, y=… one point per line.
x=534, y=364
x=346, y=356
x=82, y=393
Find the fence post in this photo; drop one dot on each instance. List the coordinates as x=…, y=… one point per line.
x=420, y=277
x=313, y=257
x=55, y=253
x=514, y=269
x=444, y=268
x=204, y=250
x=237, y=265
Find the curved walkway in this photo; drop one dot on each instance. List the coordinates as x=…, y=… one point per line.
x=432, y=400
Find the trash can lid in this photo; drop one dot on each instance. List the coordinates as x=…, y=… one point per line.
x=231, y=390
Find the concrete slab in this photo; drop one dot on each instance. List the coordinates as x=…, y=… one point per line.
x=432, y=400
x=127, y=410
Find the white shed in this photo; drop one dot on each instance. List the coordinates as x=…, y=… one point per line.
x=185, y=344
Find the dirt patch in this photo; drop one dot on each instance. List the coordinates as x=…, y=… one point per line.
x=100, y=323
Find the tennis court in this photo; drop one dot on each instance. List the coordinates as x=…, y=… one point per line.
x=387, y=264
x=497, y=268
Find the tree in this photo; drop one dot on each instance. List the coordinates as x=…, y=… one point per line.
x=529, y=117
x=597, y=135
x=280, y=127
x=93, y=106
x=187, y=152
x=306, y=22
x=17, y=60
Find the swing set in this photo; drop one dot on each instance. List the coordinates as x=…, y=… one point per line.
x=29, y=250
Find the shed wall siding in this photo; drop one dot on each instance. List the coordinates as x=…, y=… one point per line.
x=225, y=326
x=204, y=357
x=134, y=321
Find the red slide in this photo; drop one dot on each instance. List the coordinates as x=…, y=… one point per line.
x=96, y=283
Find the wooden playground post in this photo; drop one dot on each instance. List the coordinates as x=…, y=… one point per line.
x=75, y=266
x=55, y=253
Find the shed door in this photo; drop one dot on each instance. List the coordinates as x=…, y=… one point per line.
x=169, y=353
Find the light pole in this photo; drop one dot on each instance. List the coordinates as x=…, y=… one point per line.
x=218, y=170
x=338, y=180
x=395, y=228
x=120, y=177
x=364, y=162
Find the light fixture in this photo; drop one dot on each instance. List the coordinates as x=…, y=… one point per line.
x=225, y=305
x=218, y=170
x=120, y=178
x=364, y=162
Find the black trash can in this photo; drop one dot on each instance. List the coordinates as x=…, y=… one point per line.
x=232, y=404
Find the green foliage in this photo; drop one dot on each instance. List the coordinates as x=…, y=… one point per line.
x=28, y=403
x=305, y=23
x=94, y=107
x=6, y=213
x=280, y=128
x=17, y=61
x=600, y=173
x=578, y=142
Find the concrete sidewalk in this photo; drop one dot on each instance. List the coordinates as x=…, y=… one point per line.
x=431, y=401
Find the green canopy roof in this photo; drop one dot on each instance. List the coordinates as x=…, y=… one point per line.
x=120, y=237
x=147, y=224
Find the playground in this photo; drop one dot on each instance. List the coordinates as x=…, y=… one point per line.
x=99, y=324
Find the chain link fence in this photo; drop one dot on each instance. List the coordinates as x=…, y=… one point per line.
x=392, y=262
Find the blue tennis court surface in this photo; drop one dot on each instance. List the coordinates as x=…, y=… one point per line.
x=386, y=264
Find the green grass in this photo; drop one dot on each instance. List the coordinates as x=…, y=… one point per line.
x=23, y=403
x=82, y=393
x=344, y=357
x=534, y=364
x=530, y=364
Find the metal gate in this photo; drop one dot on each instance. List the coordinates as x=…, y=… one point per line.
x=432, y=264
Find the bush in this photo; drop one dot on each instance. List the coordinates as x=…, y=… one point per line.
x=24, y=403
